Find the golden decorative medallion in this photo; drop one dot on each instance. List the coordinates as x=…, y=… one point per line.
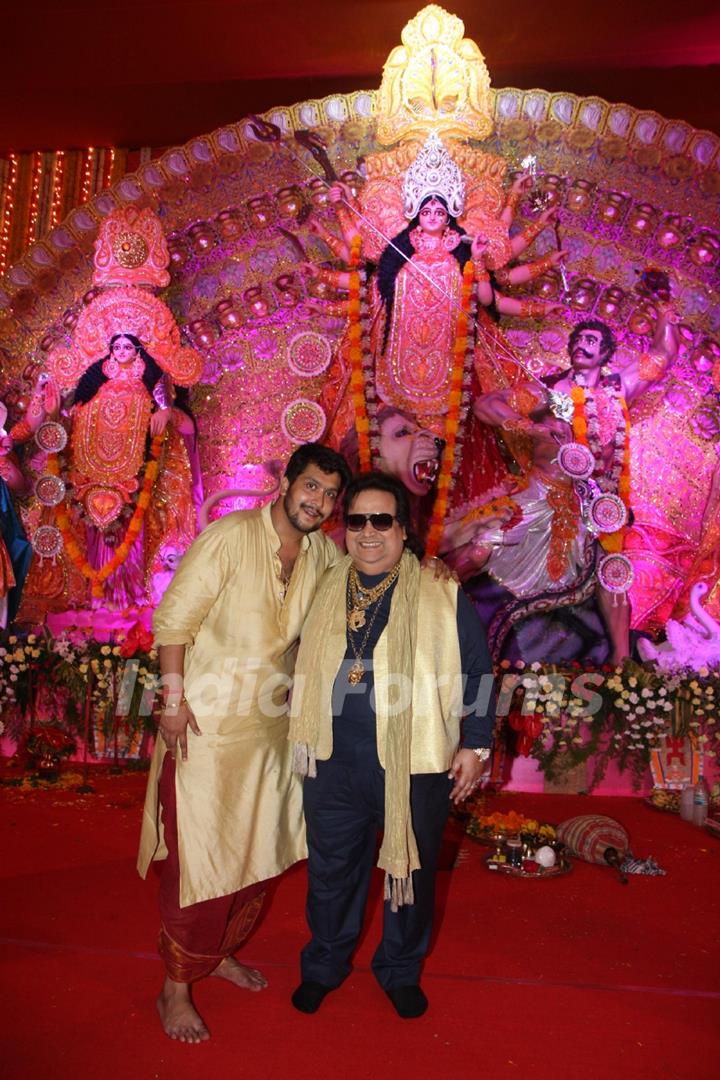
x=130, y=250
x=356, y=619
x=356, y=673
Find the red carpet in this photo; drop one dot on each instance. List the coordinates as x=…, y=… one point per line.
x=578, y=977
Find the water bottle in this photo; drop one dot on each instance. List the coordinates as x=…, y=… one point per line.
x=700, y=802
x=687, y=802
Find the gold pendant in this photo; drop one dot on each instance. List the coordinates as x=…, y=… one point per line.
x=356, y=619
x=356, y=673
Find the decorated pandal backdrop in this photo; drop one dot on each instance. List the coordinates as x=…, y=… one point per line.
x=226, y=280
x=38, y=190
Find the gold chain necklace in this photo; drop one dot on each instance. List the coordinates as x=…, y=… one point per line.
x=376, y=594
x=360, y=598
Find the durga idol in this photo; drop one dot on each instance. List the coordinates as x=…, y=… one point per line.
x=431, y=340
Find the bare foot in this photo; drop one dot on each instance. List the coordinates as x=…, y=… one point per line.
x=178, y=1015
x=245, y=977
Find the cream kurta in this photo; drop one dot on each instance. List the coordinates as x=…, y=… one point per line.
x=239, y=806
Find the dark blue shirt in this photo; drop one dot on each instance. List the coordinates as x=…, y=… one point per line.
x=354, y=706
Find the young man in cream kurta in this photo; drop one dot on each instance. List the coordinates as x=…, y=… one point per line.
x=225, y=811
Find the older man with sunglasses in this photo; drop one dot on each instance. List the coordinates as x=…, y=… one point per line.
x=377, y=727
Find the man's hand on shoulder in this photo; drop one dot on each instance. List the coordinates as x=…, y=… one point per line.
x=441, y=571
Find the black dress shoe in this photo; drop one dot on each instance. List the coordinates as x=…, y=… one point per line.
x=409, y=1001
x=309, y=996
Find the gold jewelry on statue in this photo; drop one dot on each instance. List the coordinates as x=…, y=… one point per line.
x=502, y=276
x=532, y=308
x=21, y=432
x=513, y=199
x=346, y=220
x=533, y=230
x=650, y=367
x=336, y=310
x=336, y=245
x=329, y=277
x=535, y=269
x=481, y=273
x=521, y=426
x=523, y=401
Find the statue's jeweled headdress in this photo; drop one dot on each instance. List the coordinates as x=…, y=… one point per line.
x=130, y=252
x=131, y=249
x=433, y=173
x=435, y=81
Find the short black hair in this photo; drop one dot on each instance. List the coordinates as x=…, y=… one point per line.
x=380, y=481
x=327, y=461
x=608, y=343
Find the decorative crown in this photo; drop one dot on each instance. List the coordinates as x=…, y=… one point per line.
x=131, y=249
x=435, y=81
x=433, y=173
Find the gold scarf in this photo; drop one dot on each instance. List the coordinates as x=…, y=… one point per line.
x=310, y=708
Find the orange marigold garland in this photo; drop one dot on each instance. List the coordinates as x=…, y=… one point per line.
x=614, y=541
x=462, y=357
x=579, y=422
x=356, y=355
x=98, y=576
x=620, y=476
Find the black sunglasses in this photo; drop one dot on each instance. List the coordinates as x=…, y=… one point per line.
x=380, y=522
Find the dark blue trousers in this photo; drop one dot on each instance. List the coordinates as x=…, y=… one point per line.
x=344, y=810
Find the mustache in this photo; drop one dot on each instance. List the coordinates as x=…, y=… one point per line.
x=579, y=349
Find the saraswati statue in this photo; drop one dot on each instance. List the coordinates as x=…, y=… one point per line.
x=117, y=464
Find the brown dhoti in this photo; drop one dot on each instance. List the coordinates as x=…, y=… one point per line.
x=196, y=938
